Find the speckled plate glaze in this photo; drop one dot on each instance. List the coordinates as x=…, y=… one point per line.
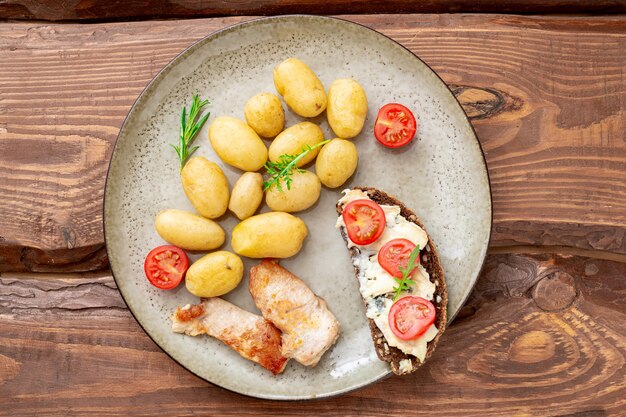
x=441, y=176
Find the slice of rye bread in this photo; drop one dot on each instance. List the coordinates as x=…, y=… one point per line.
x=430, y=261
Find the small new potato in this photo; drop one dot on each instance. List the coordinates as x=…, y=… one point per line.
x=347, y=108
x=269, y=235
x=336, y=162
x=302, y=90
x=214, y=274
x=237, y=144
x=189, y=231
x=302, y=193
x=205, y=185
x=247, y=195
x=265, y=114
x=293, y=139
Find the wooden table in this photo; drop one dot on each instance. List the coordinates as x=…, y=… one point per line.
x=544, y=332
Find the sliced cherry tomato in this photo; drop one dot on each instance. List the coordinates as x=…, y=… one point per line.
x=395, y=254
x=395, y=125
x=411, y=316
x=365, y=221
x=165, y=266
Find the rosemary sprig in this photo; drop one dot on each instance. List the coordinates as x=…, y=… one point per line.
x=404, y=283
x=282, y=169
x=189, y=128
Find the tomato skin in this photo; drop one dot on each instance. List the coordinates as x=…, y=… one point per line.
x=165, y=266
x=411, y=316
x=365, y=221
x=395, y=125
x=394, y=254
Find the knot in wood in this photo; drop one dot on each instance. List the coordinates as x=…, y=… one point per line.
x=483, y=103
x=555, y=291
x=532, y=347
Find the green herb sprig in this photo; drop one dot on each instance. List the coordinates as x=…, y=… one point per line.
x=282, y=169
x=404, y=283
x=189, y=128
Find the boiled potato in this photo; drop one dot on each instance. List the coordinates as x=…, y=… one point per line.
x=269, y=235
x=302, y=90
x=302, y=193
x=214, y=274
x=189, y=231
x=336, y=162
x=247, y=195
x=265, y=115
x=292, y=140
x=347, y=108
x=237, y=144
x=206, y=187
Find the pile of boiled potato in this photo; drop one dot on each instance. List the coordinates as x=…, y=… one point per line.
x=277, y=234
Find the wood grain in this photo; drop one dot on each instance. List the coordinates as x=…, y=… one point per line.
x=81, y=259
x=108, y=10
x=69, y=347
x=547, y=98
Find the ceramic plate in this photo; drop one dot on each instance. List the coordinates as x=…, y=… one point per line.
x=441, y=176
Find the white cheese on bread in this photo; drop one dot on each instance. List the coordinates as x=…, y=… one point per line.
x=397, y=227
x=377, y=285
x=416, y=347
x=374, y=280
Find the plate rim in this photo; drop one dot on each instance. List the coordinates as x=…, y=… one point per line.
x=161, y=73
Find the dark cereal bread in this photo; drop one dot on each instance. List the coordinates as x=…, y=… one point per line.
x=431, y=262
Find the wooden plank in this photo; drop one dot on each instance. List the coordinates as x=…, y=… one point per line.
x=547, y=97
x=541, y=335
x=80, y=259
x=109, y=10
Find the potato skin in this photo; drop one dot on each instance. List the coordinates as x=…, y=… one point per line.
x=303, y=192
x=269, y=235
x=347, y=108
x=237, y=144
x=265, y=115
x=336, y=162
x=293, y=139
x=206, y=186
x=301, y=89
x=247, y=195
x=188, y=231
x=214, y=274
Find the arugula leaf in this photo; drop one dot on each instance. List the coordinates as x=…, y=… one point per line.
x=404, y=283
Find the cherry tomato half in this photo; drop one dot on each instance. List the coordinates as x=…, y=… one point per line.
x=165, y=266
x=411, y=316
x=395, y=254
x=395, y=125
x=365, y=221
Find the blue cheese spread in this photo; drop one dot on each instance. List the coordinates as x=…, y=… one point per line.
x=376, y=284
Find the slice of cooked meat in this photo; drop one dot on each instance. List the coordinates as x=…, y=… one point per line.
x=250, y=335
x=309, y=328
